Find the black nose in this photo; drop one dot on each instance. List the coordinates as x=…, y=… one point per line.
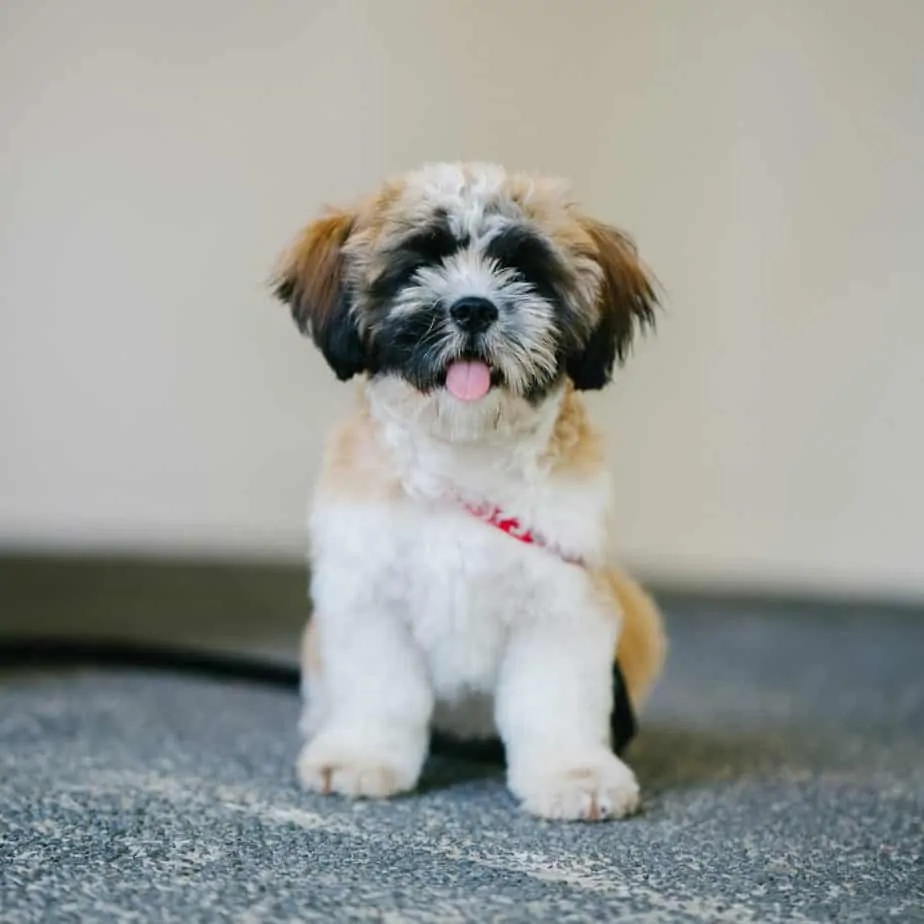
x=473, y=314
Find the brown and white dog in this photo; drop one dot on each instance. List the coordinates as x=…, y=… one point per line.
x=476, y=304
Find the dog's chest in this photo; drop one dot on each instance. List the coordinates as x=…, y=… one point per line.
x=467, y=583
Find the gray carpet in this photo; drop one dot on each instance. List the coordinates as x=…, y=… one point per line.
x=782, y=758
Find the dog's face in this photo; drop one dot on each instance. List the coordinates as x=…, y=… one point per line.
x=464, y=280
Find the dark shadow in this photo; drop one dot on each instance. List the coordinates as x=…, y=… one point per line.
x=443, y=772
x=667, y=757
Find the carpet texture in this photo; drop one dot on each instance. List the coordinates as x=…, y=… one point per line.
x=782, y=760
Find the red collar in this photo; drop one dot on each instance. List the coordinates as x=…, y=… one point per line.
x=496, y=517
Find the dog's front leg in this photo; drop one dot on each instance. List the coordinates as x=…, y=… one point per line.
x=372, y=730
x=553, y=706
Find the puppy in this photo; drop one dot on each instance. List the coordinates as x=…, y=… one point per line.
x=462, y=574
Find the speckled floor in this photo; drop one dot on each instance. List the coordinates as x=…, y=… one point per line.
x=782, y=757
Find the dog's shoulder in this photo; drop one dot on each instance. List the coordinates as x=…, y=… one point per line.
x=356, y=465
x=575, y=449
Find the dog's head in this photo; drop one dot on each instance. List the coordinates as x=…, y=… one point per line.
x=460, y=280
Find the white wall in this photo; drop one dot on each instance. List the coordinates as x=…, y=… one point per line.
x=767, y=156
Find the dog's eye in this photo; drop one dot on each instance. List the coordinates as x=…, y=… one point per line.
x=519, y=249
x=433, y=244
x=399, y=272
x=427, y=247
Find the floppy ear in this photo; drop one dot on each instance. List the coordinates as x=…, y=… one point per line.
x=626, y=303
x=311, y=282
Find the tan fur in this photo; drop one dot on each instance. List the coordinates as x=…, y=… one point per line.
x=575, y=446
x=356, y=465
x=642, y=645
x=313, y=268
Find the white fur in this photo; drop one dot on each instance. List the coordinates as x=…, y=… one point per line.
x=425, y=615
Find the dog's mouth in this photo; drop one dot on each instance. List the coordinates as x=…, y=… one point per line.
x=468, y=379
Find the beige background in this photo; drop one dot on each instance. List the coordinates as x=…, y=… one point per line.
x=767, y=156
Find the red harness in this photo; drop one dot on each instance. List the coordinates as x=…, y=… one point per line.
x=496, y=517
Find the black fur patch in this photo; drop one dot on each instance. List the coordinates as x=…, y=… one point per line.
x=591, y=366
x=336, y=335
x=340, y=342
x=435, y=242
x=519, y=249
x=428, y=246
x=411, y=347
x=402, y=265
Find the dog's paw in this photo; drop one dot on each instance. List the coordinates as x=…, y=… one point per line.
x=592, y=790
x=359, y=774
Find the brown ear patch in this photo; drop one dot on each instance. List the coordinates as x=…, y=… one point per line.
x=628, y=290
x=311, y=281
x=626, y=303
x=310, y=277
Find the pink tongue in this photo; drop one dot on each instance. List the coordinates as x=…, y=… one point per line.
x=468, y=381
